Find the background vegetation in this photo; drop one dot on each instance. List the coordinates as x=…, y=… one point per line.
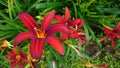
x=95, y=13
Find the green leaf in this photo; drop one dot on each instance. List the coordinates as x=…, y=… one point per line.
x=47, y=5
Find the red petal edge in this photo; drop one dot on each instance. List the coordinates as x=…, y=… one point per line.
x=67, y=14
x=112, y=41
x=59, y=18
x=47, y=19
x=22, y=36
x=56, y=44
x=74, y=22
x=27, y=20
x=64, y=36
x=57, y=28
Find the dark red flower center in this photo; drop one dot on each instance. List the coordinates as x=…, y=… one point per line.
x=40, y=33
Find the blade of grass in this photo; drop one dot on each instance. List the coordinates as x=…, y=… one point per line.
x=3, y=3
x=10, y=9
x=67, y=52
x=57, y=55
x=17, y=4
x=33, y=5
x=75, y=9
x=86, y=30
x=50, y=4
x=4, y=16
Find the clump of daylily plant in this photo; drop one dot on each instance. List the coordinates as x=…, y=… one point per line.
x=44, y=33
x=39, y=35
x=111, y=33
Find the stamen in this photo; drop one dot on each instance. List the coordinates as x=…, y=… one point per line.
x=39, y=33
x=18, y=57
x=76, y=27
x=80, y=33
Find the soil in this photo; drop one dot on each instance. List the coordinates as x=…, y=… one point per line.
x=94, y=51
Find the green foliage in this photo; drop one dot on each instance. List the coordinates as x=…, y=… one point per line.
x=3, y=63
x=108, y=60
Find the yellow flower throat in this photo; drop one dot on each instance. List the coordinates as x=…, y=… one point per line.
x=18, y=57
x=39, y=33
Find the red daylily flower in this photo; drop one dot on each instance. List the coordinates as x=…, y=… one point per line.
x=75, y=33
x=68, y=23
x=16, y=58
x=79, y=35
x=40, y=35
x=112, y=33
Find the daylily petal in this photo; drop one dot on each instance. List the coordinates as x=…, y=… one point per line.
x=20, y=65
x=22, y=36
x=116, y=31
x=64, y=36
x=24, y=59
x=57, y=28
x=85, y=39
x=15, y=51
x=59, y=18
x=74, y=22
x=80, y=41
x=55, y=43
x=13, y=65
x=107, y=31
x=20, y=52
x=116, y=35
x=73, y=33
x=47, y=19
x=80, y=24
x=67, y=14
x=112, y=41
x=118, y=26
x=36, y=48
x=9, y=59
x=11, y=54
x=102, y=39
x=27, y=20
